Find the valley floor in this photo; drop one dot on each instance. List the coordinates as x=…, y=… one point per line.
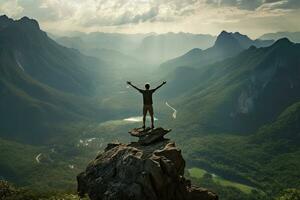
x=227, y=164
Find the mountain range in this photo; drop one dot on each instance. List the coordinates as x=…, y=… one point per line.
x=149, y=48
x=162, y=47
x=182, y=71
x=245, y=91
x=242, y=116
x=292, y=36
x=226, y=45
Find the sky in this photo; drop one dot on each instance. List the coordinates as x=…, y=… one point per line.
x=251, y=17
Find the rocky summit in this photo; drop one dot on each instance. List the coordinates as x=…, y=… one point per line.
x=148, y=135
x=137, y=171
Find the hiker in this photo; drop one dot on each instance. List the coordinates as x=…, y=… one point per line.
x=147, y=98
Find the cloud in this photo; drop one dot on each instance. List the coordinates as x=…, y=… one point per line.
x=249, y=4
x=149, y=15
x=102, y=12
x=208, y=16
x=271, y=1
x=125, y=17
x=10, y=8
x=254, y=4
x=289, y=4
x=280, y=5
x=241, y=4
x=121, y=12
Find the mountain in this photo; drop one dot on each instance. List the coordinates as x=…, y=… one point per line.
x=148, y=48
x=46, y=61
x=71, y=42
x=267, y=159
x=293, y=36
x=181, y=72
x=225, y=46
x=245, y=91
x=162, y=47
x=42, y=84
x=246, y=42
x=285, y=129
x=114, y=57
x=123, y=43
x=242, y=120
x=4, y=21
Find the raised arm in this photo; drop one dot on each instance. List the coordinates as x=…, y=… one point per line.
x=160, y=85
x=129, y=83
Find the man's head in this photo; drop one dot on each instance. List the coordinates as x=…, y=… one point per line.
x=147, y=86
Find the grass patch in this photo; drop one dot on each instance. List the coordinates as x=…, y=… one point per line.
x=198, y=173
x=244, y=188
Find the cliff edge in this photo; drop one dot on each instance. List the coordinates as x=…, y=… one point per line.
x=140, y=171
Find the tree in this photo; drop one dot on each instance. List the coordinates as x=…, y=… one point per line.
x=290, y=194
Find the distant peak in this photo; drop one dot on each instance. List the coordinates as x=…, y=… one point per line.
x=224, y=33
x=194, y=51
x=238, y=34
x=226, y=39
x=283, y=41
x=3, y=17
x=27, y=20
x=252, y=47
x=5, y=21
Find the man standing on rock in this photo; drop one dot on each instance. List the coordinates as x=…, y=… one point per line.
x=148, y=103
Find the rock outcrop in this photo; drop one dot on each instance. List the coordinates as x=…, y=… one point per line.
x=137, y=171
x=148, y=136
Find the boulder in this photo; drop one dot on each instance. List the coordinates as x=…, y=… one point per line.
x=148, y=136
x=139, y=172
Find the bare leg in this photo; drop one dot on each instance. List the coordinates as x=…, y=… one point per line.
x=144, y=116
x=144, y=121
x=152, y=121
x=152, y=117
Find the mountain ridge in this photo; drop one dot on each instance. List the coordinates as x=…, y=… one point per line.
x=293, y=36
x=226, y=45
x=60, y=66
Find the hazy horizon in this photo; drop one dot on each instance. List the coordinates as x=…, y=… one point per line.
x=80, y=33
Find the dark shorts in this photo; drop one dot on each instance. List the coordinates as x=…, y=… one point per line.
x=147, y=108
